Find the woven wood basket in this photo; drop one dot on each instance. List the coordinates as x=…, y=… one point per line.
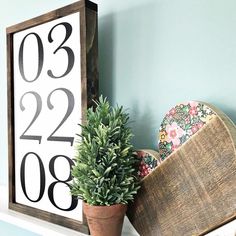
x=193, y=191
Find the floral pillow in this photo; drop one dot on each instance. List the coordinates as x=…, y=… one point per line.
x=149, y=160
x=180, y=123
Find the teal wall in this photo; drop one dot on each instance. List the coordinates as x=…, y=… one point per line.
x=156, y=53
x=152, y=55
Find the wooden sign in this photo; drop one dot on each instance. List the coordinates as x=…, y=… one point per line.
x=52, y=78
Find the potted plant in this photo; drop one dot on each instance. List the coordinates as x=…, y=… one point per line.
x=105, y=174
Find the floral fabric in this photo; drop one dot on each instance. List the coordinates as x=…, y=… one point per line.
x=180, y=123
x=147, y=163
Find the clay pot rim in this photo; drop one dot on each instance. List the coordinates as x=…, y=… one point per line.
x=104, y=211
x=116, y=204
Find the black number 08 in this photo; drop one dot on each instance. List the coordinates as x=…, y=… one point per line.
x=74, y=200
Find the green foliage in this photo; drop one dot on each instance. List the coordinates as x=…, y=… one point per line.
x=105, y=169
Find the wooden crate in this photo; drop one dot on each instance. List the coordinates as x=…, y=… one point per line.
x=194, y=190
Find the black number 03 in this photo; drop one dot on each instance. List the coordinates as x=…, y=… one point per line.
x=69, y=51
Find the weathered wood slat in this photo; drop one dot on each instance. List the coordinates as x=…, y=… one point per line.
x=194, y=190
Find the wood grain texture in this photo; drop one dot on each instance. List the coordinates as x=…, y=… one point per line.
x=10, y=114
x=89, y=62
x=60, y=12
x=89, y=82
x=50, y=217
x=194, y=190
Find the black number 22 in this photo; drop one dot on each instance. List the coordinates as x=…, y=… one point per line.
x=52, y=137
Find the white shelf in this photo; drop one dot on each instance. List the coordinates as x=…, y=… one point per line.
x=42, y=227
x=45, y=228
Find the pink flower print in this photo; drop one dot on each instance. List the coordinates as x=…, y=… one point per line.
x=174, y=133
x=174, y=147
x=143, y=169
x=189, y=132
x=193, y=111
x=193, y=104
x=199, y=125
x=187, y=120
x=140, y=154
x=172, y=111
x=194, y=129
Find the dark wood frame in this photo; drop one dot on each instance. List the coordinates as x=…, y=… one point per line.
x=89, y=82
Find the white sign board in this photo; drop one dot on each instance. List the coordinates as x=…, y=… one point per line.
x=52, y=79
x=47, y=110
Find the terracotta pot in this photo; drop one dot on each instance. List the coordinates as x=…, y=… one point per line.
x=105, y=220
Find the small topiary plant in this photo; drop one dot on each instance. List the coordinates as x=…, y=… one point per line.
x=105, y=169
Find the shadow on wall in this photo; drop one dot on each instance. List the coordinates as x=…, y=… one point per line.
x=128, y=67
x=106, y=56
x=143, y=126
x=230, y=113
